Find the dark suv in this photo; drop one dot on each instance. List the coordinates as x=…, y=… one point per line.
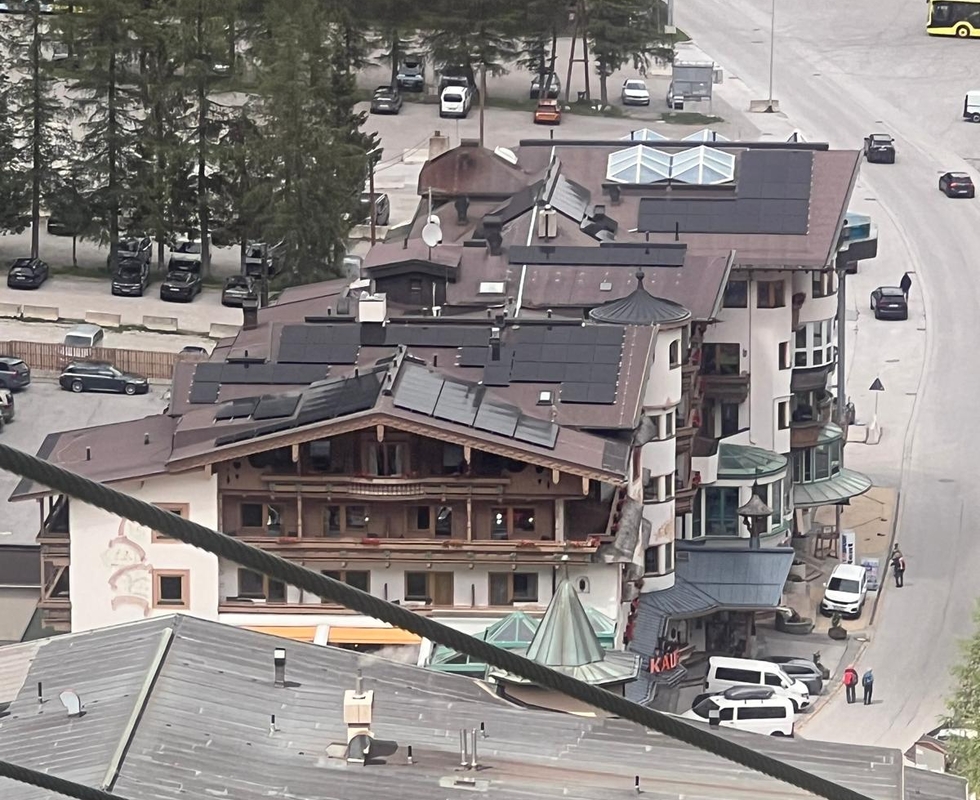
x=27, y=273
x=99, y=377
x=132, y=278
x=14, y=373
x=880, y=148
x=137, y=248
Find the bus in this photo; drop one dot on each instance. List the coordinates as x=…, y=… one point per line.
x=960, y=18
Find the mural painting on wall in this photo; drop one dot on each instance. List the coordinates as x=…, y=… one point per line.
x=130, y=576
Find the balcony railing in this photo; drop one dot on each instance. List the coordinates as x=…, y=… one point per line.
x=812, y=416
x=54, y=527
x=240, y=605
x=732, y=388
x=387, y=487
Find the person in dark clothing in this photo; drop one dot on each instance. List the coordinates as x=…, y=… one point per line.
x=850, y=683
x=905, y=285
x=898, y=567
x=868, y=682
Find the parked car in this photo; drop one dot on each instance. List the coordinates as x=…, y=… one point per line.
x=131, y=278
x=635, y=93
x=880, y=148
x=186, y=254
x=846, y=591
x=552, y=87
x=888, y=302
x=6, y=405
x=27, y=273
x=262, y=257
x=458, y=77
x=759, y=710
x=84, y=336
x=386, y=100
x=237, y=289
x=56, y=226
x=194, y=350
x=945, y=732
x=411, y=74
x=180, y=286
x=455, y=101
x=800, y=669
x=957, y=184
x=548, y=112
x=93, y=376
x=138, y=248
x=14, y=373
x=724, y=673
x=382, y=207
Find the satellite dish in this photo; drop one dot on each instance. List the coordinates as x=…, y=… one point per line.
x=431, y=234
x=72, y=702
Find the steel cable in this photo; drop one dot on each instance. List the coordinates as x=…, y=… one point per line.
x=52, y=784
x=224, y=546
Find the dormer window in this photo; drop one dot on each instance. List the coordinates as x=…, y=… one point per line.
x=546, y=397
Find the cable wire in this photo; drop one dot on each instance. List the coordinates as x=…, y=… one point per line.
x=224, y=546
x=52, y=784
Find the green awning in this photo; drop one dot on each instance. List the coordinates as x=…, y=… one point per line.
x=739, y=461
x=831, y=492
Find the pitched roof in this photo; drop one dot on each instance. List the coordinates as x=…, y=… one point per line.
x=472, y=170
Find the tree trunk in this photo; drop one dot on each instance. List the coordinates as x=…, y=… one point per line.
x=585, y=59
x=603, y=85
x=396, y=48
x=36, y=133
x=74, y=250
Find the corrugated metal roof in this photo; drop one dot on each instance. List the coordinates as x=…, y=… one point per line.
x=843, y=486
x=921, y=784
x=205, y=730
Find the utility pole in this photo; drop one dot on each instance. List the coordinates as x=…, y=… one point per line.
x=772, y=52
x=373, y=201
x=841, y=372
x=483, y=100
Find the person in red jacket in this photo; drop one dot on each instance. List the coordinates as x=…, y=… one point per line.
x=850, y=683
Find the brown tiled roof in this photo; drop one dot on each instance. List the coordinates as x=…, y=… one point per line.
x=472, y=171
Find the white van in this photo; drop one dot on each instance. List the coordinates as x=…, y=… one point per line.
x=724, y=673
x=971, y=106
x=455, y=101
x=758, y=710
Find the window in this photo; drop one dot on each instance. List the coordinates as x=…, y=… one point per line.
x=658, y=559
x=770, y=294
x=355, y=518
x=720, y=359
x=783, y=414
x=697, y=514
x=415, y=288
x=172, y=588
x=817, y=463
x=775, y=502
x=668, y=424
x=453, y=459
x=721, y=504
x=434, y=520
x=507, y=588
x=340, y=520
x=359, y=579
x=762, y=712
x=774, y=680
x=385, y=459
x=674, y=354
x=733, y=675
x=181, y=510
x=322, y=457
x=785, y=361
x=729, y=419
x=431, y=588
x=507, y=522
x=658, y=488
x=815, y=344
x=823, y=284
x=736, y=294
x=256, y=586
x=264, y=517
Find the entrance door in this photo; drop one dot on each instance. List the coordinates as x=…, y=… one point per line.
x=442, y=588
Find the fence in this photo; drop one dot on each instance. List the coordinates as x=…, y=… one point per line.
x=53, y=357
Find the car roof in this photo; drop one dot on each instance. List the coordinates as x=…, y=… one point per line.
x=959, y=175
x=853, y=571
x=24, y=262
x=881, y=136
x=749, y=692
x=88, y=365
x=887, y=290
x=86, y=327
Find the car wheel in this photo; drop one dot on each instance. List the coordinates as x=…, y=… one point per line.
x=77, y=387
x=962, y=32
x=796, y=707
x=975, y=118
x=877, y=315
x=777, y=733
x=129, y=388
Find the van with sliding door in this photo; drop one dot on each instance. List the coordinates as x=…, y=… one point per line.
x=725, y=673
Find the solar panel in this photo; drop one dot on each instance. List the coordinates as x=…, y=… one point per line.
x=459, y=402
x=360, y=393
x=276, y=406
x=234, y=438
x=285, y=374
x=204, y=392
x=291, y=353
x=608, y=334
x=525, y=372
x=320, y=403
x=373, y=335
x=247, y=373
x=474, y=356
x=497, y=373
x=536, y=431
x=598, y=373
x=418, y=390
x=608, y=354
x=602, y=393
x=498, y=418
x=607, y=255
x=575, y=392
x=207, y=373
x=236, y=409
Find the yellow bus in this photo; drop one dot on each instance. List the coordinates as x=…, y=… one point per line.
x=960, y=18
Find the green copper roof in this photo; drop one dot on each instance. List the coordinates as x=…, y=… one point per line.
x=741, y=461
x=830, y=492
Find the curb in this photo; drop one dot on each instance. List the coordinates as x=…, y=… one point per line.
x=860, y=647
x=883, y=576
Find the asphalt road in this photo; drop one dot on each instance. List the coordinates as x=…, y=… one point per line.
x=43, y=408
x=843, y=70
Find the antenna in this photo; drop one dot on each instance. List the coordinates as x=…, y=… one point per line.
x=72, y=702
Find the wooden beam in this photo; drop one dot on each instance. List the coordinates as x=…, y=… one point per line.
x=380, y=431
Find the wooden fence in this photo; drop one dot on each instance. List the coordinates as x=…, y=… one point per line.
x=53, y=357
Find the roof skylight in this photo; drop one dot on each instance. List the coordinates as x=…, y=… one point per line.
x=644, y=164
x=644, y=135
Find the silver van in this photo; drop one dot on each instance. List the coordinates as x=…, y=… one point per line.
x=85, y=336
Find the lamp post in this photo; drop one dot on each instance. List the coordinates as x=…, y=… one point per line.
x=772, y=53
x=754, y=515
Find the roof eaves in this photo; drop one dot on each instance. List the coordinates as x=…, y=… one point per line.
x=835, y=242
x=723, y=285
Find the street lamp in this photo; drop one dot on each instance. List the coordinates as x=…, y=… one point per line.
x=754, y=515
x=772, y=53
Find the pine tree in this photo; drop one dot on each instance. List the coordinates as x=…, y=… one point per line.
x=621, y=32
x=14, y=195
x=474, y=35
x=964, y=709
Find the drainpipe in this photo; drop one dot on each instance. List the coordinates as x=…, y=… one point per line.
x=841, y=393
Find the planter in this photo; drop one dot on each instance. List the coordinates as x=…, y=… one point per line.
x=797, y=571
x=795, y=624
x=837, y=633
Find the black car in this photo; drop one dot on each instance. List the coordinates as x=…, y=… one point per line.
x=136, y=248
x=957, y=184
x=411, y=74
x=880, y=148
x=180, y=286
x=552, y=90
x=14, y=373
x=59, y=227
x=237, y=289
x=382, y=208
x=83, y=376
x=386, y=101
x=27, y=273
x=888, y=302
x=131, y=278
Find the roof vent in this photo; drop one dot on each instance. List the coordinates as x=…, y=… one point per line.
x=372, y=308
x=72, y=703
x=547, y=223
x=250, y=314
x=605, y=286
x=506, y=154
x=493, y=233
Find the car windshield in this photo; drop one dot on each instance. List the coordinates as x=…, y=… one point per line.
x=23, y=263
x=843, y=585
x=77, y=340
x=703, y=708
x=635, y=85
x=128, y=246
x=179, y=277
x=129, y=272
x=892, y=291
x=453, y=98
x=189, y=247
x=237, y=283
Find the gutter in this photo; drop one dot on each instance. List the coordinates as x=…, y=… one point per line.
x=530, y=238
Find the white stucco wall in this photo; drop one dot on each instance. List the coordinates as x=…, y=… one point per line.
x=660, y=457
x=663, y=387
x=113, y=560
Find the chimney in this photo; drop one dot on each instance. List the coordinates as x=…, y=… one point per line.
x=615, y=193
x=250, y=314
x=493, y=233
x=547, y=223
x=462, y=206
x=279, y=662
x=372, y=308
x=599, y=210
x=495, y=344
x=438, y=144
x=146, y=438
x=358, y=711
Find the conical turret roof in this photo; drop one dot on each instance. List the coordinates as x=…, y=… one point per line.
x=640, y=308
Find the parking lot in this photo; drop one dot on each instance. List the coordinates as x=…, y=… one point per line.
x=43, y=408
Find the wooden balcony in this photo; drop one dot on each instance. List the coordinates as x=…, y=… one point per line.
x=54, y=526
x=684, y=499
x=730, y=388
x=690, y=382
x=394, y=488
x=237, y=605
x=684, y=438
x=56, y=613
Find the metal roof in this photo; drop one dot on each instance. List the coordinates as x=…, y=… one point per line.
x=923, y=784
x=736, y=461
x=843, y=486
x=640, y=308
x=204, y=730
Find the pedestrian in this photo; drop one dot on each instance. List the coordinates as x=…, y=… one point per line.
x=868, y=682
x=850, y=683
x=898, y=567
x=905, y=285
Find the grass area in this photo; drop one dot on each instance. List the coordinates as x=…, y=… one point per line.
x=690, y=118
x=583, y=107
